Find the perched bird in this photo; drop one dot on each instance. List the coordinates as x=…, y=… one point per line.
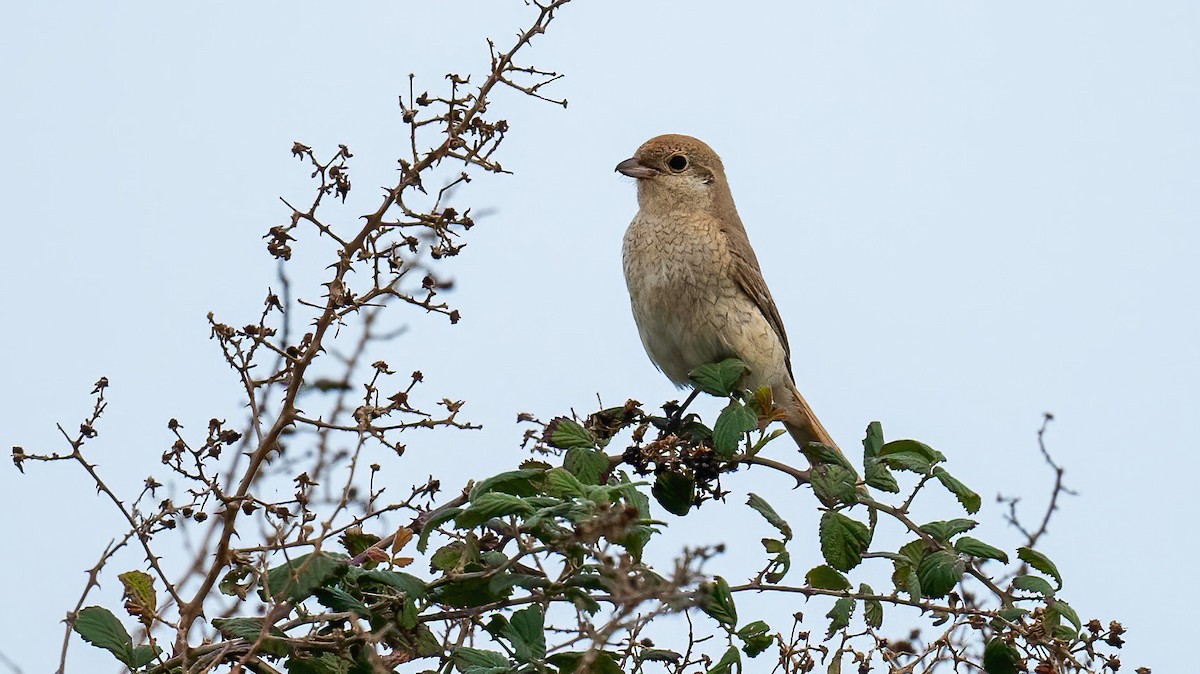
x=697, y=291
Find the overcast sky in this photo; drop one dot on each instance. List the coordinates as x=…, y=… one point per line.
x=969, y=213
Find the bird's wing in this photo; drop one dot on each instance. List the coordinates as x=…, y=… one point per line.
x=749, y=278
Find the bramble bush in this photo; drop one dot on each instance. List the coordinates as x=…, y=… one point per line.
x=541, y=568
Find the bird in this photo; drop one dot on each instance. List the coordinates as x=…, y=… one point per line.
x=695, y=285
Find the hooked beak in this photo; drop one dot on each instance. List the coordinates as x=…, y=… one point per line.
x=635, y=169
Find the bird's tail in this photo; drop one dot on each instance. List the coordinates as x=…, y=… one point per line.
x=804, y=426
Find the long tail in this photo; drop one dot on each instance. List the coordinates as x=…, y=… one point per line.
x=803, y=424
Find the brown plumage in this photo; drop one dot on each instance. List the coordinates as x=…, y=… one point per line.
x=697, y=290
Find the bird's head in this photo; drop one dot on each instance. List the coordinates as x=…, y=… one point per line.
x=674, y=169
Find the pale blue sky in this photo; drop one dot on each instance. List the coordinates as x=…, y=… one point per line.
x=986, y=211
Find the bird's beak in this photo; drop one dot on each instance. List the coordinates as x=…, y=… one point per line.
x=635, y=169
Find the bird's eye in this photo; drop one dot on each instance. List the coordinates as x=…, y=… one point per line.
x=677, y=163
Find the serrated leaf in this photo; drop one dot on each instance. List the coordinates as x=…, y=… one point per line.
x=1040, y=562
x=970, y=500
x=760, y=505
x=99, y=627
x=1064, y=609
x=515, y=482
x=238, y=581
x=437, y=519
x=1035, y=584
x=564, y=433
x=755, y=638
x=586, y=464
x=843, y=540
x=674, y=492
x=914, y=446
x=872, y=608
x=527, y=634
x=318, y=663
x=939, y=572
x=465, y=658
x=719, y=379
x=999, y=657
x=560, y=482
x=339, y=600
x=568, y=662
x=296, y=579
x=406, y=583
x=490, y=505
x=733, y=423
x=833, y=485
x=717, y=601
x=913, y=462
x=659, y=655
x=878, y=476
x=839, y=615
x=729, y=660
x=977, y=548
x=817, y=452
x=873, y=441
x=944, y=530
x=826, y=578
x=251, y=629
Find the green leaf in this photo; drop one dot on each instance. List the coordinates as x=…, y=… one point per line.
x=437, y=519
x=730, y=659
x=674, y=492
x=717, y=601
x=816, y=452
x=719, y=379
x=872, y=608
x=1040, y=562
x=999, y=657
x=1064, y=609
x=527, y=633
x=939, y=572
x=296, y=579
x=659, y=655
x=833, y=484
x=471, y=592
x=913, y=462
x=406, y=583
x=977, y=548
x=945, y=530
x=734, y=422
x=337, y=599
x=466, y=658
x=490, y=505
x=1012, y=614
x=515, y=482
x=843, y=540
x=839, y=615
x=912, y=446
x=564, y=433
x=969, y=499
x=586, y=464
x=560, y=482
x=100, y=628
x=1035, y=584
x=878, y=476
x=826, y=578
x=763, y=508
x=873, y=441
x=568, y=662
x=323, y=663
x=755, y=638
x=250, y=629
